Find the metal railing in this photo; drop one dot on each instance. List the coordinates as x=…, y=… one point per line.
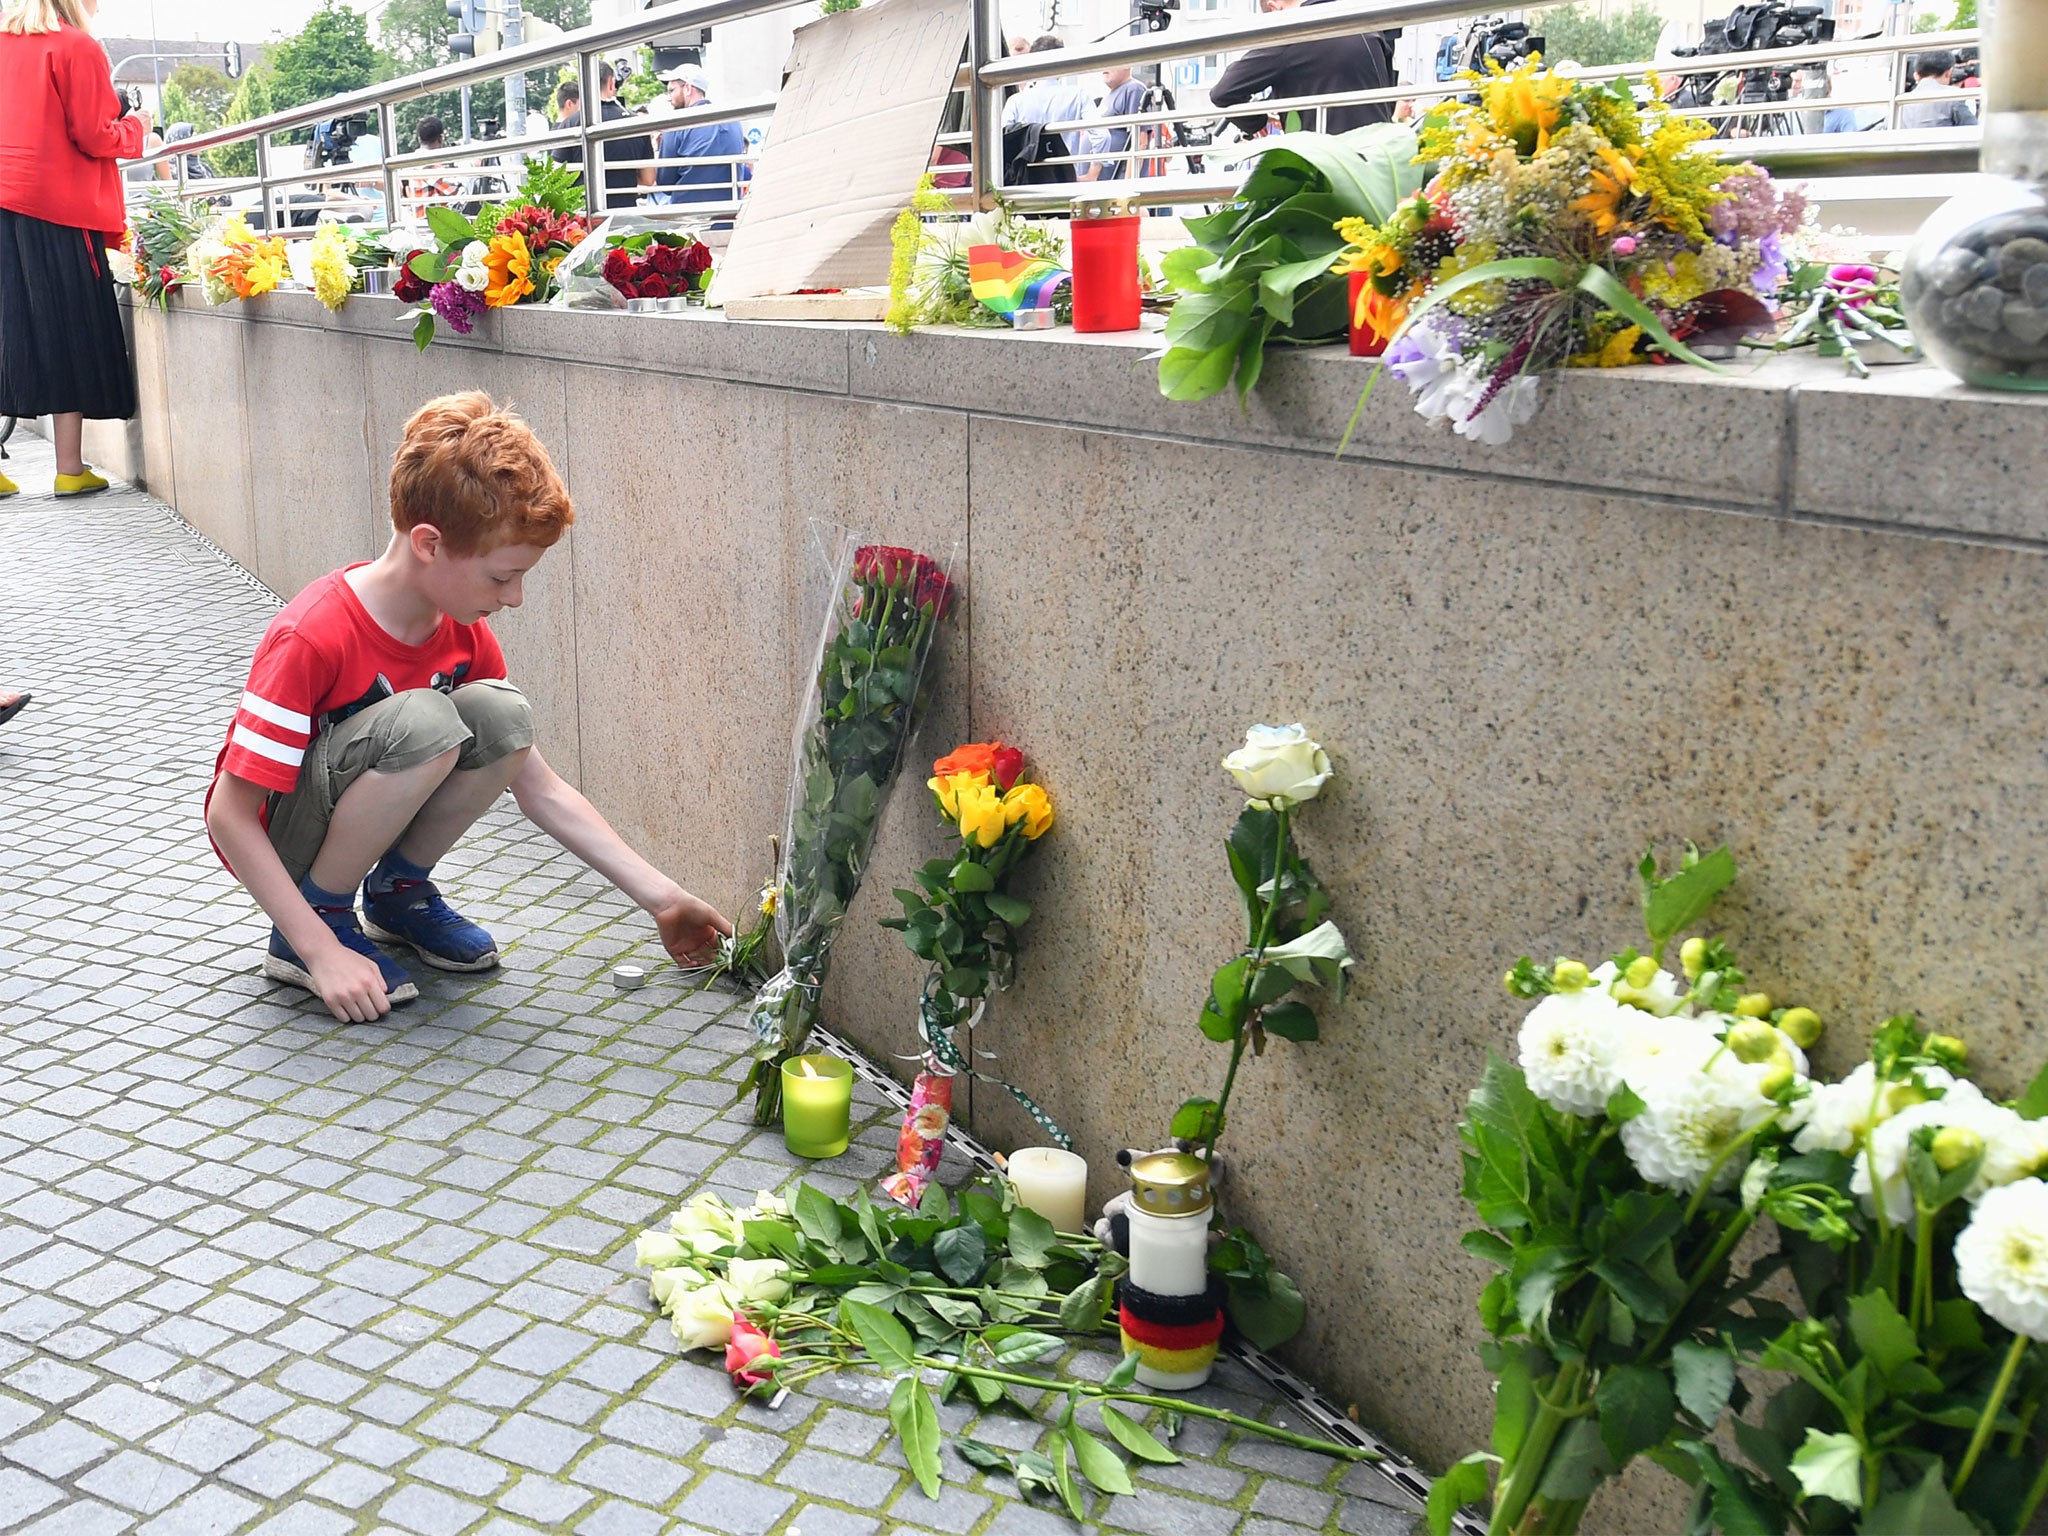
x=1153, y=167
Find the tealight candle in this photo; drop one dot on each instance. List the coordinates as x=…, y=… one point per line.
x=817, y=1105
x=1052, y=1183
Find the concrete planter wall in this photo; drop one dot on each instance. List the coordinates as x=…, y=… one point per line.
x=1797, y=612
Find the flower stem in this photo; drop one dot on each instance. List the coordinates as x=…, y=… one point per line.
x=1259, y=943
x=1518, y=1485
x=2033, y=1502
x=1992, y=1404
x=1923, y=1269
x=1172, y=1404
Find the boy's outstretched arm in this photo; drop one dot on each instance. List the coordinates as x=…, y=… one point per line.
x=689, y=927
x=349, y=984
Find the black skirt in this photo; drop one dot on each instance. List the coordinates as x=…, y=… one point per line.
x=61, y=344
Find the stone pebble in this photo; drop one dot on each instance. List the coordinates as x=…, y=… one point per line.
x=1992, y=288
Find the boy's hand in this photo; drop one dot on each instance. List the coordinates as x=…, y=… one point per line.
x=350, y=985
x=689, y=928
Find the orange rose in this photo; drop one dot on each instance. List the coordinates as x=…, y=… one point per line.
x=980, y=757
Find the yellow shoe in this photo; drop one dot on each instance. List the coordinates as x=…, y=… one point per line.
x=8, y=487
x=81, y=485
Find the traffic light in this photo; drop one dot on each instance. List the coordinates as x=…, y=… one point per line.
x=476, y=33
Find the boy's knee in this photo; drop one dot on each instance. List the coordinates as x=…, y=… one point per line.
x=414, y=728
x=499, y=721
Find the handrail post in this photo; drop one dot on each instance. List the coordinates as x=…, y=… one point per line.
x=262, y=141
x=985, y=104
x=589, y=109
x=387, y=135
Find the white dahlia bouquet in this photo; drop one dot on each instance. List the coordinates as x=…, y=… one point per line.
x=1669, y=1195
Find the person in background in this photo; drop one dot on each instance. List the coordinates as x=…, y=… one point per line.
x=622, y=182
x=1056, y=99
x=689, y=86
x=1935, y=103
x=434, y=186
x=195, y=167
x=1125, y=99
x=1361, y=62
x=63, y=353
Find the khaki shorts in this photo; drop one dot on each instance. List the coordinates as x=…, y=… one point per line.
x=488, y=720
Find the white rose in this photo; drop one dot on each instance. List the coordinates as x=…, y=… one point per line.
x=701, y=1319
x=1278, y=766
x=667, y=1285
x=473, y=254
x=707, y=1222
x=758, y=1280
x=474, y=279
x=652, y=1250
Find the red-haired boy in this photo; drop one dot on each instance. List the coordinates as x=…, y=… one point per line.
x=378, y=724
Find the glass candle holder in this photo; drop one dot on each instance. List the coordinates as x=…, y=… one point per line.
x=1052, y=1183
x=817, y=1105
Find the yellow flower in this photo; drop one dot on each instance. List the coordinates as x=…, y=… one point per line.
x=948, y=790
x=1621, y=347
x=1525, y=103
x=334, y=275
x=768, y=895
x=510, y=265
x=235, y=230
x=981, y=814
x=1611, y=187
x=1029, y=804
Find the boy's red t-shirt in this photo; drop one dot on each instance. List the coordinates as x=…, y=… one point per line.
x=324, y=658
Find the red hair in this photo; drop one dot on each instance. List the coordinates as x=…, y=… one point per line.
x=480, y=475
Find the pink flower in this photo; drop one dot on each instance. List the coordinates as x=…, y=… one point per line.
x=1625, y=245
x=1855, y=283
x=748, y=1345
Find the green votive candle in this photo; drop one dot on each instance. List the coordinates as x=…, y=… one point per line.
x=817, y=1105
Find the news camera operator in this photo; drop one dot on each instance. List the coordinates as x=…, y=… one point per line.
x=1363, y=61
x=62, y=128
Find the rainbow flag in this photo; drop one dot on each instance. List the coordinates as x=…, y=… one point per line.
x=1007, y=281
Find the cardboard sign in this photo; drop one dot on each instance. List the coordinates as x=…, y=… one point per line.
x=854, y=128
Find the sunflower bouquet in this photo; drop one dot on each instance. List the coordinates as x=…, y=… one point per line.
x=1566, y=225
x=507, y=254
x=962, y=923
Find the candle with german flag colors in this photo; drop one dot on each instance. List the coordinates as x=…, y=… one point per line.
x=1169, y=1310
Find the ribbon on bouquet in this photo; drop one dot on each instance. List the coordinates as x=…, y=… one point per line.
x=922, y=1139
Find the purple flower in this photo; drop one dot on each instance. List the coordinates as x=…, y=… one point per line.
x=1772, y=267
x=457, y=305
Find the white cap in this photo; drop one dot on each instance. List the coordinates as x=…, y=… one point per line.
x=690, y=75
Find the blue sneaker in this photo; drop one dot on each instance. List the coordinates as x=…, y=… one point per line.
x=280, y=964
x=413, y=913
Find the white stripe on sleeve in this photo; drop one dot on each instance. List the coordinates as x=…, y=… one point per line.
x=276, y=714
x=263, y=746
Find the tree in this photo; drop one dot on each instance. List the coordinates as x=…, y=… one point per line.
x=251, y=101
x=329, y=55
x=1927, y=21
x=414, y=37
x=1965, y=16
x=1586, y=37
x=204, y=93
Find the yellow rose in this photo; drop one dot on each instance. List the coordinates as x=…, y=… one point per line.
x=948, y=790
x=1031, y=805
x=980, y=814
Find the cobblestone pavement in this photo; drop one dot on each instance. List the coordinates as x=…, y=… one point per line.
x=263, y=1271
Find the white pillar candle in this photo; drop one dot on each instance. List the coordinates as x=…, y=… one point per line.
x=1052, y=1183
x=1170, y=1254
x=2016, y=57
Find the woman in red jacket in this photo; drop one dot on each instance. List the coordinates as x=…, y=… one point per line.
x=62, y=351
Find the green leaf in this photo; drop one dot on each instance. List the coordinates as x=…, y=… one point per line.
x=1705, y=1377
x=1021, y=1345
x=1922, y=1510
x=1227, y=988
x=972, y=877
x=1215, y=1026
x=916, y=1419
x=1604, y=286
x=1277, y=284
x=1098, y=1463
x=1466, y=1483
x=1514, y=1402
x=1734, y=1506
x=1134, y=1437
x=1083, y=1308
x=960, y=1252
x=772, y=1239
x=886, y=1340
x=2033, y=1104
x=1881, y=1331
x=986, y=1457
x=1192, y=1120
x=1031, y=1238
x=1123, y=1375
x=423, y=329
x=1290, y=1021
x=1063, y=1477
x=1268, y=1314
x=1012, y=911
x=1578, y=1465
x=450, y=227
x=1185, y=374
x=1490, y=1246
x=1637, y=1409
x=955, y=1310
x=1831, y=1467
x=1179, y=268
x=1206, y=322
x=1638, y=1291
x=1671, y=906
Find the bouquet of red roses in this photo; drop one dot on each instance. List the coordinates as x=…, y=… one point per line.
x=657, y=266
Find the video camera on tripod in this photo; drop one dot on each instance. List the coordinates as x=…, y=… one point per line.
x=1505, y=42
x=1749, y=29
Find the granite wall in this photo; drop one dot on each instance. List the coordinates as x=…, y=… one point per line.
x=1782, y=608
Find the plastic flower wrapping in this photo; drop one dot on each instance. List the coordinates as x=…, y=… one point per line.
x=946, y=270
x=1566, y=226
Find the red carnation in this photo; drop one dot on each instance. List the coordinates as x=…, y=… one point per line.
x=697, y=258
x=654, y=286
x=410, y=288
